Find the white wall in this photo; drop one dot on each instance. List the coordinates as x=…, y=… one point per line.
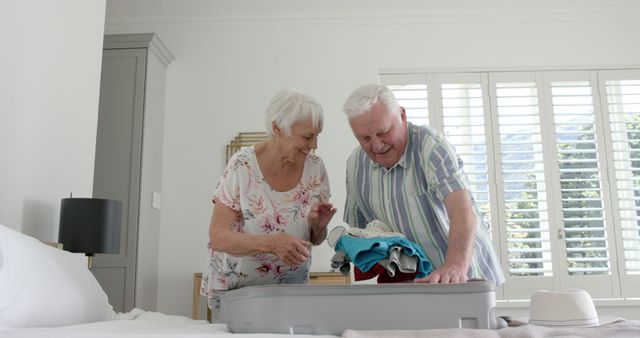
x=232, y=56
x=49, y=86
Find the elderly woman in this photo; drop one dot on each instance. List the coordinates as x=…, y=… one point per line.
x=271, y=204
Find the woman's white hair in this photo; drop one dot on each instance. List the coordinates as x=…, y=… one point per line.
x=289, y=107
x=365, y=97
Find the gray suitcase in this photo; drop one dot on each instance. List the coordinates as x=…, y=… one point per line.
x=331, y=309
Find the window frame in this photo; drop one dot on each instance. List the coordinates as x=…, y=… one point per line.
x=617, y=284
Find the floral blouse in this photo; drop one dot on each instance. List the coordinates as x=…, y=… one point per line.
x=264, y=211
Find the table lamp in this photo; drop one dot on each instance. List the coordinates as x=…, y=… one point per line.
x=90, y=226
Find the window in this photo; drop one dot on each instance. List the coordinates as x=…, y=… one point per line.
x=553, y=158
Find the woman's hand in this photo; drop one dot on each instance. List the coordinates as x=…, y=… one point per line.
x=292, y=250
x=319, y=217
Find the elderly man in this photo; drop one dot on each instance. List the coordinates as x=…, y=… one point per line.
x=410, y=178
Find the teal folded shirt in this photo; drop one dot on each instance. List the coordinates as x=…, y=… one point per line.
x=367, y=252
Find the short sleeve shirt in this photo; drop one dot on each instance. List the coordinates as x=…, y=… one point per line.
x=410, y=198
x=264, y=211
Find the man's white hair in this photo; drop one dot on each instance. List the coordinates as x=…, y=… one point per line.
x=365, y=97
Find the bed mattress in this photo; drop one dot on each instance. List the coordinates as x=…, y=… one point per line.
x=331, y=309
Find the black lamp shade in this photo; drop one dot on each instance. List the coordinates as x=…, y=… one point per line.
x=90, y=225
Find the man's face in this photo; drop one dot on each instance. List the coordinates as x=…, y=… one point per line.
x=382, y=135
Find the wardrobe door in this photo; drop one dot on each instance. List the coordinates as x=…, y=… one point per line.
x=117, y=169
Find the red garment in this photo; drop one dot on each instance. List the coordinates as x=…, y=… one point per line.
x=373, y=272
x=383, y=277
x=399, y=277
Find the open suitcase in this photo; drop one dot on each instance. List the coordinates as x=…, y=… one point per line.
x=331, y=309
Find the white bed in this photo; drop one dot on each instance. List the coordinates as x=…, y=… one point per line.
x=47, y=292
x=619, y=329
x=138, y=324
x=157, y=325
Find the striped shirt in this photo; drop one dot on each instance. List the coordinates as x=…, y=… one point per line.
x=409, y=197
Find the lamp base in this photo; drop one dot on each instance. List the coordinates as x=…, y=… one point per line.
x=89, y=260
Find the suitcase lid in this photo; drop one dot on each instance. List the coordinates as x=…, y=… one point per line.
x=359, y=289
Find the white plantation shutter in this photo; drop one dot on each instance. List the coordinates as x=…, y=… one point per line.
x=553, y=158
x=583, y=206
x=411, y=92
x=523, y=198
x=580, y=179
x=463, y=116
x=622, y=106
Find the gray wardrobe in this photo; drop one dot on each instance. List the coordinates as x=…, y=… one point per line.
x=128, y=164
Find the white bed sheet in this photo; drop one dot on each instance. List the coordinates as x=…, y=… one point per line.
x=140, y=324
x=619, y=329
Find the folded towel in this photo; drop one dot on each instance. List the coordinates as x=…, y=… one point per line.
x=367, y=252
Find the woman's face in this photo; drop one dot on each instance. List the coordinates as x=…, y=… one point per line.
x=303, y=139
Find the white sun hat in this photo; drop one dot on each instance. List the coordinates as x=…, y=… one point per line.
x=565, y=308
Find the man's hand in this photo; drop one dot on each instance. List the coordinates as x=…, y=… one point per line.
x=462, y=232
x=446, y=274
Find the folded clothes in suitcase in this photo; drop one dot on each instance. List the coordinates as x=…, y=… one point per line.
x=331, y=309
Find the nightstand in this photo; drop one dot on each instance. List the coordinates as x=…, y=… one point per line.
x=326, y=278
x=195, y=313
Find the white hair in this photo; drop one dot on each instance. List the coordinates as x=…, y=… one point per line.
x=289, y=107
x=366, y=96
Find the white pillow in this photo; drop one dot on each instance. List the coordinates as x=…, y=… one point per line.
x=44, y=286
